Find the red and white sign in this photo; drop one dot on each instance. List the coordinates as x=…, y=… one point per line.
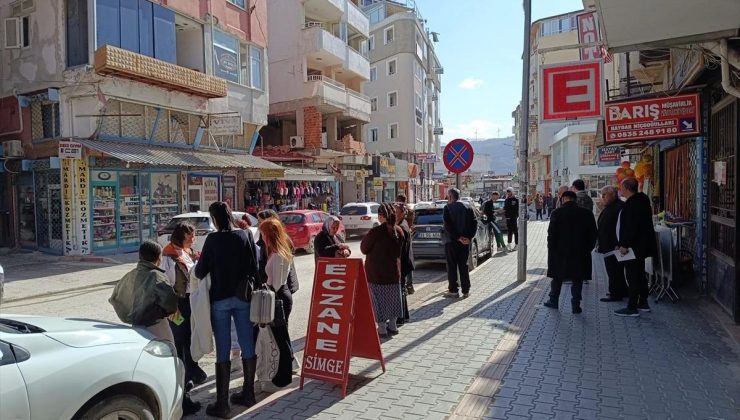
x=588, y=33
x=655, y=118
x=70, y=150
x=341, y=322
x=571, y=91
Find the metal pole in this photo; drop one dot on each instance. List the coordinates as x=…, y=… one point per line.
x=523, y=146
x=457, y=181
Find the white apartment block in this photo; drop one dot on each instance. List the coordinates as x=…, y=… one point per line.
x=405, y=84
x=319, y=52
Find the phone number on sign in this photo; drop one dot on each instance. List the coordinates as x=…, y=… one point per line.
x=643, y=133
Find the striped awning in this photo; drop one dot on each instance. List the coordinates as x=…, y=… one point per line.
x=171, y=156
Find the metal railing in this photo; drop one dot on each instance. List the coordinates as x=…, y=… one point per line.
x=312, y=24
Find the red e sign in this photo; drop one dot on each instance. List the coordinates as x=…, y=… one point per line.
x=571, y=91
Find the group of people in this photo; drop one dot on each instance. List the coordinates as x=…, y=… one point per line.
x=162, y=295
x=624, y=237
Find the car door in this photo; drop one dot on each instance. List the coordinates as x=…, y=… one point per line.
x=13, y=396
x=316, y=223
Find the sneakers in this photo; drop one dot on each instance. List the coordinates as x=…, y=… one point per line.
x=627, y=312
x=465, y=295
x=551, y=304
x=410, y=290
x=453, y=295
x=644, y=307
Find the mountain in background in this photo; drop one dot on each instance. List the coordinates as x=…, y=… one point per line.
x=501, y=152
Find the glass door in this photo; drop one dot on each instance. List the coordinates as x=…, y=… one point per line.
x=129, y=201
x=165, y=202
x=146, y=207
x=104, y=215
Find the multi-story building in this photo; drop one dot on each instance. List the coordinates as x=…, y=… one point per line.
x=318, y=64
x=404, y=88
x=117, y=114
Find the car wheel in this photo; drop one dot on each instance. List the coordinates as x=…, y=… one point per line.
x=473, y=263
x=126, y=407
x=310, y=248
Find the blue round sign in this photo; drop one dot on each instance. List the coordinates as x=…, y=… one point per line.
x=458, y=156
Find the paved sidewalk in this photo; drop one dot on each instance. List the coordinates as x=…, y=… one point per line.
x=501, y=354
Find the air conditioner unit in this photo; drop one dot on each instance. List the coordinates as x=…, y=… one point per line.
x=296, y=142
x=13, y=149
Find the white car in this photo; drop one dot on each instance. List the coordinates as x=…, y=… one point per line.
x=423, y=205
x=203, y=226
x=56, y=368
x=359, y=218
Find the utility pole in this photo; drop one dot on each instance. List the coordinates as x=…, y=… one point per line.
x=523, y=146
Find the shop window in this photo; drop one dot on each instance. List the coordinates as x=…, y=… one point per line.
x=45, y=121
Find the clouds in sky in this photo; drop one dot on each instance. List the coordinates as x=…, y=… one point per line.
x=485, y=130
x=470, y=83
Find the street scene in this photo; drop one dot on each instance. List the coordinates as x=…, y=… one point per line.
x=277, y=209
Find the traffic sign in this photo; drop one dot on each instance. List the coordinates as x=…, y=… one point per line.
x=458, y=156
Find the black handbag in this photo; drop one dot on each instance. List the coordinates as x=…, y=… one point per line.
x=293, y=279
x=279, y=319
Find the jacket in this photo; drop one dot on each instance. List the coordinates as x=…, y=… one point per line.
x=511, y=207
x=608, y=226
x=201, y=340
x=230, y=257
x=383, y=251
x=584, y=200
x=143, y=296
x=459, y=222
x=636, y=228
x=570, y=238
x=489, y=212
x=325, y=246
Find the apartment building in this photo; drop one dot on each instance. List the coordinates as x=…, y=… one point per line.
x=404, y=89
x=117, y=114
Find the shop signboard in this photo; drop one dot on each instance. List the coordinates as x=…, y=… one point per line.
x=588, y=33
x=272, y=173
x=68, y=227
x=210, y=190
x=83, y=207
x=70, y=150
x=654, y=118
x=572, y=91
x=225, y=125
x=609, y=156
x=378, y=182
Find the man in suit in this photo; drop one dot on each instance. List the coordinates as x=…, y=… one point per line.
x=570, y=238
x=511, y=213
x=460, y=228
x=635, y=231
x=608, y=241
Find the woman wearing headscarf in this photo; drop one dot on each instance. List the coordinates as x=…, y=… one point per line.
x=407, y=263
x=382, y=246
x=229, y=256
x=327, y=244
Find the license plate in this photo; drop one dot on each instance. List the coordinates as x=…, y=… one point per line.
x=429, y=235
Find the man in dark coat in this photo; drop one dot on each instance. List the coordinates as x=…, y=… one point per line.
x=608, y=241
x=635, y=232
x=460, y=227
x=570, y=238
x=489, y=210
x=511, y=212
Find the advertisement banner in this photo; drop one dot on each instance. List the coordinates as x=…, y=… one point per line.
x=68, y=226
x=609, y=156
x=83, y=207
x=655, y=118
x=70, y=150
x=588, y=33
x=224, y=125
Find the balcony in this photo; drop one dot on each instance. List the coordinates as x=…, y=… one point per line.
x=334, y=97
x=131, y=65
x=357, y=19
x=325, y=9
x=323, y=49
x=358, y=64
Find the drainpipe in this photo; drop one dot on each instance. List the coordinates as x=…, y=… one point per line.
x=726, y=85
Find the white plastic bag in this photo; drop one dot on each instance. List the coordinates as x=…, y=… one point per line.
x=268, y=355
x=598, y=267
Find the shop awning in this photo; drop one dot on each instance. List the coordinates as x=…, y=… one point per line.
x=170, y=156
x=301, y=174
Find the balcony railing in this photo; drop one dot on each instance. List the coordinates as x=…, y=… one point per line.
x=322, y=78
x=312, y=24
x=131, y=65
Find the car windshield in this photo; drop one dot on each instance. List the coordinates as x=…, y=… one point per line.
x=292, y=219
x=200, y=223
x=428, y=217
x=354, y=211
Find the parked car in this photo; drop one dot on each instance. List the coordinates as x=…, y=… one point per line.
x=424, y=205
x=56, y=368
x=304, y=225
x=498, y=208
x=203, y=226
x=359, y=218
x=429, y=237
x=440, y=203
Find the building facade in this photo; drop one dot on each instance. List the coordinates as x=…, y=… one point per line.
x=118, y=114
x=404, y=90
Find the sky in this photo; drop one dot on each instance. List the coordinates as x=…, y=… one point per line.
x=480, y=47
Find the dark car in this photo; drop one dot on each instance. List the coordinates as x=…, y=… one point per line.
x=428, y=240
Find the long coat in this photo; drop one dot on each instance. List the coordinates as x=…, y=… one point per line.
x=636, y=228
x=570, y=239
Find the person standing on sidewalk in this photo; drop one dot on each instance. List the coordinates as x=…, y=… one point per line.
x=489, y=210
x=511, y=212
x=460, y=227
x=583, y=200
x=179, y=259
x=608, y=242
x=407, y=263
x=570, y=238
x=635, y=232
x=408, y=224
x=229, y=256
x=538, y=206
x=382, y=246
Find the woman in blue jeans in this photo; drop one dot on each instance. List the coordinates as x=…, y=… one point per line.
x=229, y=256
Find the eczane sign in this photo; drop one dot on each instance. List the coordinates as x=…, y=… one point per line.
x=572, y=91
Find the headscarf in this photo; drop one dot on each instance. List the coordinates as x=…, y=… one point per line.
x=330, y=220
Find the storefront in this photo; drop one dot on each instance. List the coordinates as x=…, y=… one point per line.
x=291, y=189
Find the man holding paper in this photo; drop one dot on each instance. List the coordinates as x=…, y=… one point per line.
x=608, y=241
x=635, y=243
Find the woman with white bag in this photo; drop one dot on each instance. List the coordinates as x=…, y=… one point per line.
x=279, y=258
